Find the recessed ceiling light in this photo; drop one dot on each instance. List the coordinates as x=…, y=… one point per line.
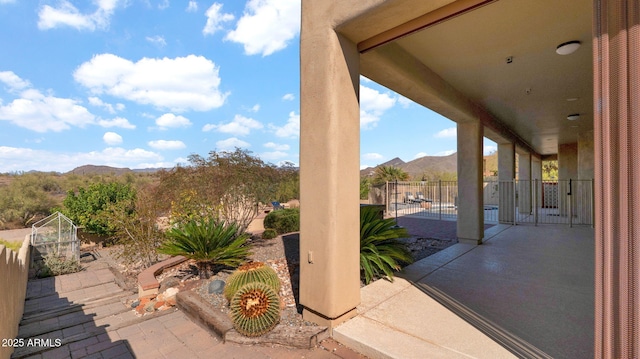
x=567, y=48
x=573, y=99
x=573, y=117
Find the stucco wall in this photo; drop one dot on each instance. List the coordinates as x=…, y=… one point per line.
x=14, y=273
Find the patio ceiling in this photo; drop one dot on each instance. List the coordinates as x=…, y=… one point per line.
x=459, y=67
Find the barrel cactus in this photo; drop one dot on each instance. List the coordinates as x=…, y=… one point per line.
x=248, y=273
x=255, y=309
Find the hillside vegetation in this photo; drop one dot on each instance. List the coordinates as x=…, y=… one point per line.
x=204, y=187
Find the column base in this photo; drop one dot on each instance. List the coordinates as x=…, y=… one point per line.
x=330, y=323
x=470, y=241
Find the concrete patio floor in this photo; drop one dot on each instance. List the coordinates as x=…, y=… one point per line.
x=532, y=286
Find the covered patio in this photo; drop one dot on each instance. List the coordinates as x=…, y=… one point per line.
x=500, y=70
x=530, y=289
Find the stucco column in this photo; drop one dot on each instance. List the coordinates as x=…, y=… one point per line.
x=329, y=168
x=524, y=183
x=584, y=188
x=536, y=175
x=616, y=48
x=506, y=174
x=470, y=185
x=567, y=170
x=585, y=155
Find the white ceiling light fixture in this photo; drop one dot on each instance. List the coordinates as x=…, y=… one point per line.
x=567, y=48
x=573, y=117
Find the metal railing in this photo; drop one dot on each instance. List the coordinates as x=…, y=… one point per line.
x=434, y=199
x=568, y=202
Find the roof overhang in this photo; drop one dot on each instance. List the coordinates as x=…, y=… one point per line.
x=487, y=60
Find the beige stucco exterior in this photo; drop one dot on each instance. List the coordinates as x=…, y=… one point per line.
x=341, y=40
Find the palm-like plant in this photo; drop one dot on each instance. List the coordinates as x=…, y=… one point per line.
x=380, y=251
x=207, y=242
x=389, y=174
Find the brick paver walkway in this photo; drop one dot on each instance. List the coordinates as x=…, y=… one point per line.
x=84, y=315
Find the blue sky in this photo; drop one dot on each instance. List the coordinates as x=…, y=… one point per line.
x=146, y=83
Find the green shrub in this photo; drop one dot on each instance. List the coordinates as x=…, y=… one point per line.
x=56, y=265
x=14, y=246
x=269, y=233
x=380, y=251
x=89, y=206
x=283, y=220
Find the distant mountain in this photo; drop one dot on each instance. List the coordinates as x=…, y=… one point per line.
x=369, y=171
x=104, y=170
x=434, y=165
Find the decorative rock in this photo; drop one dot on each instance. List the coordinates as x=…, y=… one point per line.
x=170, y=296
x=135, y=303
x=149, y=307
x=158, y=305
x=168, y=282
x=216, y=287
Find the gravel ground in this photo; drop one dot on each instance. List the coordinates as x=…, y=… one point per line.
x=283, y=253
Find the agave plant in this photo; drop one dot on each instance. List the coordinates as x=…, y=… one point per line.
x=380, y=251
x=208, y=242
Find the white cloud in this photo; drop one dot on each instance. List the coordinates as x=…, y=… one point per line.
x=267, y=26
x=488, y=150
x=21, y=159
x=288, y=97
x=179, y=84
x=43, y=113
x=231, y=144
x=157, y=40
x=420, y=154
x=95, y=101
x=372, y=156
x=7, y=1
x=446, y=153
x=404, y=102
x=112, y=138
x=169, y=120
x=373, y=104
x=277, y=147
x=215, y=19
x=447, y=133
x=192, y=7
x=14, y=82
x=167, y=145
x=291, y=129
x=240, y=126
x=255, y=108
x=272, y=156
x=117, y=122
x=163, y=5
x=65, y=14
